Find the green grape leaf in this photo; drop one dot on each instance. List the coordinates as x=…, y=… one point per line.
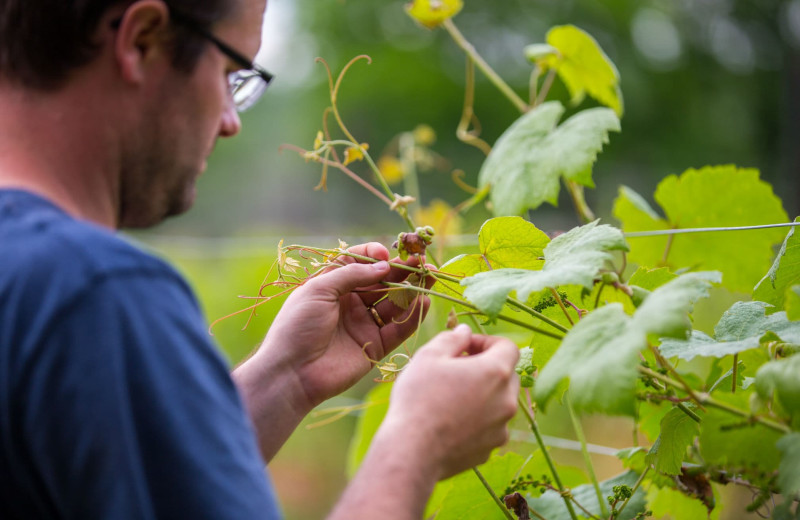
x=465, y=496
x=649, y=419
x=432, y=13
x=503, y=242
x=789, y=470
x=784, y=273
x=780, y=379
x=582, y=66
x=728, y=440
x=678, y=430
x=792, y=302
x=714, y=196
x=741, y=328
x=670, y=504
x=598, y=355
x=551, y=505
x=665, y=312
x=651, y=279
x=573, y=258
x=784, y=511
x=527, y=162
x=377, y=404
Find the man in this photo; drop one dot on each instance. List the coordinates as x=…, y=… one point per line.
x=113, y=402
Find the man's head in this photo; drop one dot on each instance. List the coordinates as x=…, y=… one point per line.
x=149, y=80
x=42, y=41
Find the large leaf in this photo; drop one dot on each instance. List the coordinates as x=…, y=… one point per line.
x=784, y=273
x=527, y=162
x=551, y=505
x=727, y=439
x=718, y=196
x=789, y=470
x=582, y=66
x=678, y=430
x=670, y=504
x=741, y=328
x=574, y=258
x=781, y=380
x=598, y=355
x=464, y=496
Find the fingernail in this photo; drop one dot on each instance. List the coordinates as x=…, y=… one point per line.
x=380, y=266
x=461, y=328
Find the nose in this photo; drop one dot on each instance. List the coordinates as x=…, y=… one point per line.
x=230, y=125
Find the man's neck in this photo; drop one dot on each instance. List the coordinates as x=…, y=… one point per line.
x=51, y=144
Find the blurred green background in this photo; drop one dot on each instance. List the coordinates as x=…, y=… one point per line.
x=704, y=82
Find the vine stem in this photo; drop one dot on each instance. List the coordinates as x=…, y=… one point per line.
x=633, y=492
x=705, y=399
x=587, y=459
x=498, y=82
x=507, y=319
x=543, y=447
x=497, y=500
x=679, y=231
x=344, y=169
x=561, y=304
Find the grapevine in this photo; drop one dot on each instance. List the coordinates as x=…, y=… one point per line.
x=607, y=309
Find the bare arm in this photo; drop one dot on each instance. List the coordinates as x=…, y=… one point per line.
x=431, y=432
x=320, y=342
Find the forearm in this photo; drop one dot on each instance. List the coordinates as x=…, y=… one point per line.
x=274, y=399
x=395, y=480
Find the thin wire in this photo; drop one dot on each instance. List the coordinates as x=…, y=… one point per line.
x=638, y=234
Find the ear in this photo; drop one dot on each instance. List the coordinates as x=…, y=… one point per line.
x=142, y=38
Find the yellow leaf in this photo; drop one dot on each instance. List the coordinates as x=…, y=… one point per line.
x=431, y=13
x=439, y=215
x=391, y=168
x=355, y=153
x=583, y=66
x=424, y=135
x=318, y=140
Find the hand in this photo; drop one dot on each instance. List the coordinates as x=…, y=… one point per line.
x=325, y=331
x=455, y=407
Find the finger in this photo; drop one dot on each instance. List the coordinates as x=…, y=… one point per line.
x=497, y=347
x=374, y=250
x=450, y=343
x=345, y=279
x=372, y=294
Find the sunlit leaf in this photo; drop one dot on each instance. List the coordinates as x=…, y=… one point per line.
x=714, y=196
x=528, y=161
x=354, y=153
x=431, y=13
x=583, y=66
x=573, y=258
x=667, y=503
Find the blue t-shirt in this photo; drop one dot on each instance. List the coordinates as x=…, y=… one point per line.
x=113, y=401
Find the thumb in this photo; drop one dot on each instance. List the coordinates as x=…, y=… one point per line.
x=345, y=279
x=451, y=343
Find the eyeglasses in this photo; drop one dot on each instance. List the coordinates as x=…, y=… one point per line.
x=246, y=85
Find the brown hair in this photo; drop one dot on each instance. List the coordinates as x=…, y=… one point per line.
x=42, y=41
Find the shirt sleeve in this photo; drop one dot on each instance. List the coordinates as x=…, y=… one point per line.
x=130, y=412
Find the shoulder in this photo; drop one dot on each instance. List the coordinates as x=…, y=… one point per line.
x=49, y=258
